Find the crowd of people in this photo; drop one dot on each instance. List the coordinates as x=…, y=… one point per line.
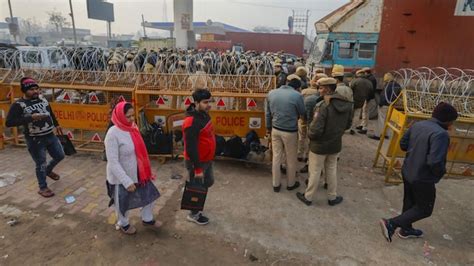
x=306, y=119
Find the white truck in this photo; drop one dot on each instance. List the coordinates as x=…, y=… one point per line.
x=42, y=57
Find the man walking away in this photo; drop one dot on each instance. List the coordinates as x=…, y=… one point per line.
x=199, y=146
x=285, y=106
x=426, y=144
x=34, y=113
x=389, y=94
x=342, y=89
x=361, y=88
x=332, y=117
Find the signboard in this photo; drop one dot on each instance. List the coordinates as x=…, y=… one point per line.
x=100, y=10
x=464, y=8
x=231, y=123
x=186, y=21
x=81, y=116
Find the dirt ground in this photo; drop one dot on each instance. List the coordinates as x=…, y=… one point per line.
x=250, y=224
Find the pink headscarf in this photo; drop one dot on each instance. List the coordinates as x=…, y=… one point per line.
x=143, y=162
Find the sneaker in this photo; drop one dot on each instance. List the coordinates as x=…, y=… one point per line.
x=362, y=131
x=335, y=201
x=277, y=189
x=374, y=137
x=198, y=218
x=410, y=233
x=304, y=170
x=387, y=229
x=295, y=186
x=359, y=127
x=303, y=199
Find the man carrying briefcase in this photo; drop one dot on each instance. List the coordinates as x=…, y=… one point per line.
x=199, y=152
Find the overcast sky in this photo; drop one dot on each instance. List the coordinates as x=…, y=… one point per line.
x=241, y=13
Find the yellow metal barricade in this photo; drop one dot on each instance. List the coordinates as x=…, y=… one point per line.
x=238, y=101
x=413, y=106
x=238, y=104
x=80, y=100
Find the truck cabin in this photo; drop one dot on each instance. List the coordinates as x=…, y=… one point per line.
x=353, y=51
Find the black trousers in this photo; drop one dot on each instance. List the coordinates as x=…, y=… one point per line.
x=418, y=203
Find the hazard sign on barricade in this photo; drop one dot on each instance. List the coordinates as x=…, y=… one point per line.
x=237, y=107
x=80, y=100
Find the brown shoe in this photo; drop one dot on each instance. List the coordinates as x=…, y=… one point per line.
x=131, y=230
x=54, y=176
x=46, y=192
x=153, y=224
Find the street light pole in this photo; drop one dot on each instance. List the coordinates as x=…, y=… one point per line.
x=11, y=16
x=73, y=23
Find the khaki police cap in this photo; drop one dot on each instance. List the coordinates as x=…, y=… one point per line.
x=326, y=81
x=338, y=74
x=292, y=77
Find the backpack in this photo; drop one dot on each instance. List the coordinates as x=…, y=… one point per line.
x=235, y=148
x=156, y=140
x=220, y=145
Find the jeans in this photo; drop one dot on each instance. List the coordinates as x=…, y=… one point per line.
x=208, y=175
x=418, y=203
x=37, y=146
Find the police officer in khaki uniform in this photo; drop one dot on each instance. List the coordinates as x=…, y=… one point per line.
x=332, y=117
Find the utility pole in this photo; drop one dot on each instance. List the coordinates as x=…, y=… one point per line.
x=109, y=30
x=11, y=17
x=143, y=24
x=307, y=19
x=73, y=23
x=301, y=21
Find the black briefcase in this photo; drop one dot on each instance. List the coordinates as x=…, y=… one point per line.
x=194, y=196
x=68, y=147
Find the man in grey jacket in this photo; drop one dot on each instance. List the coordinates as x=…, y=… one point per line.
x=285, y=106
x=426, y=144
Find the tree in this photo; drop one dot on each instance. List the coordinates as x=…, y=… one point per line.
x=30, y=26
x=57, y=20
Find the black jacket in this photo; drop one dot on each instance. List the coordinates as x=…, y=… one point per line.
x=390, y=93
x=21, y=112
x=426, y=144
x=281, y=79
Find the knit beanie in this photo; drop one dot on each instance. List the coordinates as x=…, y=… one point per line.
x=27, y=84
x=201, y=94
x=445, y=112
x=295, y=83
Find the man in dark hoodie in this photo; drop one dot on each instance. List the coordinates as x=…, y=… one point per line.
x=199, y=145
x=35, y=115
x=332, y=117
x=426, y=144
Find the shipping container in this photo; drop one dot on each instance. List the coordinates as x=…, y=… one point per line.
x=426, y=33
x=268, y=42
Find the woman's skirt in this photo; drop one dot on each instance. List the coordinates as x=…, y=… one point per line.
x=141, y=197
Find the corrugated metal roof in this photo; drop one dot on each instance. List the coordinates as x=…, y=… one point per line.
x=328, y=22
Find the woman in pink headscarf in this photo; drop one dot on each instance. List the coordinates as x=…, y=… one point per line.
x=129, y=174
